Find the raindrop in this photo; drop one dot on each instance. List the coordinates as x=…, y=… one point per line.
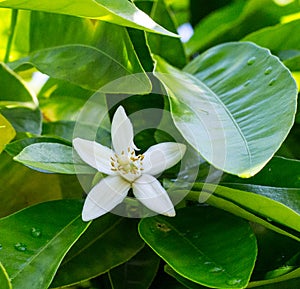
x=35, y=232
x=247, y=83
x=232, y=282
x=268, y=70
x=272, y=81
x=20, y=247
x=216, y=270
x=207, y=263
x=251, y=60
x=1, y=247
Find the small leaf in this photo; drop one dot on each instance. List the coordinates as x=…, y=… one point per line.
x=52, y=157
x=4, y=278
x=119, y=12
x=7, y=132
x=35, y=240
x=109, y=242
x=217, y=250
x=221, y=106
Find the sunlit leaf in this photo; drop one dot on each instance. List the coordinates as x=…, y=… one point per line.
x=7, y=132
x=4, y=278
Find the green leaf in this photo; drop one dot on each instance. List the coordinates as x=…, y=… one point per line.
x=24, y=119
x=170, y=49
x=269, y=210
x=52, y=157
x=221, y=105
x=119, y=12
x=4, y=278
x=7, y=132
x=236, y=20
x=276, y=284
x=109, y=242
x=137, y=273
x=89, y=67
x=35, y=240
x=21, y=187
x=14, y=90
x=205, y=245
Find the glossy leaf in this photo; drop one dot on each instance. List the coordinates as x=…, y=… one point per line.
x=291, y=283
x=118, y=12
x=4, y=279
x=35, y=240
x=221, y=106
x=24, y=119
x=219, y=250
x=7, y=132
x=74, y=63
x=109, y=242
x=14, y=91
x=137, y=273
x=52, y=157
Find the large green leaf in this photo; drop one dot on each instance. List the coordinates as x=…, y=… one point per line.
x=109, y=242
x=205, y=245
x=137, y=273
x=4, y=278
x=221, y=105
x=89, y=67
x=7, y=132
x=35, y=240
x=118, y=11
x=13, y=89
x=52, y=157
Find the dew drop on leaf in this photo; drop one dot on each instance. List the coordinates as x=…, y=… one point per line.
x=1, y=247
x=20, y=247
x=272, y=81
x=35, y=232
x=251, y=60
x=233, y=282
x=216, y=270
x=247, y=82
x=268, y=70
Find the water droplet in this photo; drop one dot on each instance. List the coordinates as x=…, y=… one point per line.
x=163, y=227
x=35, y=232
x=251, y=60
x=269, y=220
x=272, y=81
x=233, y=282
x=207, y=263
x=1, y=247
x=20, y=247
x=247, y=83
x=268, y=70
x=216, y=270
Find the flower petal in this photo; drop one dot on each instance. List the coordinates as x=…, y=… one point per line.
x=162, y=156
x=103, y=197
x=122, y=132
x=150, y=192
x=94, y=154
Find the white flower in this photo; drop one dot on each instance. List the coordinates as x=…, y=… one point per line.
x=127, y=170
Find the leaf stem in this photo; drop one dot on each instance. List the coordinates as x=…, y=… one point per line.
x=14, y=17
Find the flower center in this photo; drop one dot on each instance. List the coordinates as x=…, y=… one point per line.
x=127, y=164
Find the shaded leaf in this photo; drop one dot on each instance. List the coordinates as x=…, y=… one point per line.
x=35, y=240
x=96, y=249
x=219, y=250
x=221, y=105
x=137, y=273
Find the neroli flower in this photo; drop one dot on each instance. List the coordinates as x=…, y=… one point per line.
x=127, y=170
